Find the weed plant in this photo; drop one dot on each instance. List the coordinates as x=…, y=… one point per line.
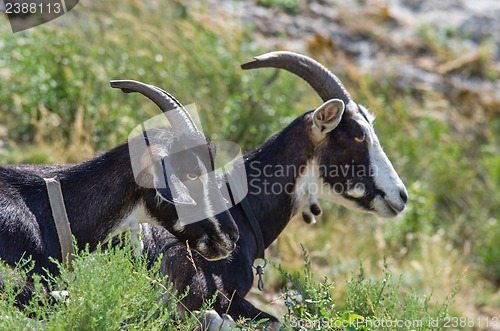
x=109, y=289
x=371, y=304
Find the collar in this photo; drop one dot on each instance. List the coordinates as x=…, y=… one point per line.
x=260, y=262
x=61, y=221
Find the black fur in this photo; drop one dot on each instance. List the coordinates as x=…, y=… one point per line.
x=233, y=277
x=98, y=194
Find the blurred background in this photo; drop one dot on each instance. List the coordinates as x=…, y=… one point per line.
x=429, y=70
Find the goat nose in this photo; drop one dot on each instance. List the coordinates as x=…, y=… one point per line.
x=234, y=235
x=404, y=195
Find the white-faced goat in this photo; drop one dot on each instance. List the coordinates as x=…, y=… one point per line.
x=332, y=152
x=104, y=195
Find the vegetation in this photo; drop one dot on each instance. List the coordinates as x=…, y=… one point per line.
x=288, y=6
x=127, y=295
x=109, y=290
x=56, y=106
x=370, y=304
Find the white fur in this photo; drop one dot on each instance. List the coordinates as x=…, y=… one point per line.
x=328, y=193
x=201, y=244
x=313, y=199
x=357, y=191
x=306, y=181
x=386, y=179
x=309, y=184
x=61, y=296
x=132, y=222
x=178, y=226
x=214, y=322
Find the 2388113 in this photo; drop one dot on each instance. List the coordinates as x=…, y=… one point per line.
x=33, y=8
x=454, y=322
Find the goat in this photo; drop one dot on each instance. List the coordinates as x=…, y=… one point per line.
x=105, y=194
x=331, y=152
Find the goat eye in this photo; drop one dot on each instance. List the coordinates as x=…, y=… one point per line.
x=361, y=138
x=192, y=176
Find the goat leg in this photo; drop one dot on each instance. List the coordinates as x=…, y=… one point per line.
x=215, y=322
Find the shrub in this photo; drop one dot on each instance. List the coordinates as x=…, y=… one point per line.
x=371, y=304
x=110, y=289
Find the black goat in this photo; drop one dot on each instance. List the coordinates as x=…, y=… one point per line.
x=118, y=189
x=331, y=152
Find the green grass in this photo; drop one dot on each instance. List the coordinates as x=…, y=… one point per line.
x=44, y=89
x=288, y=6
x=56, y=106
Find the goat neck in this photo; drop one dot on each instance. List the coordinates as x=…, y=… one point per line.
x=273, y=172
x=93, y=182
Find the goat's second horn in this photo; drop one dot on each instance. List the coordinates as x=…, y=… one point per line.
x=175, y=112
x=326, y=84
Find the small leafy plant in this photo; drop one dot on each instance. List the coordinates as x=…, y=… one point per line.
x=370, y=304
x=110, y=289
x=288, y=6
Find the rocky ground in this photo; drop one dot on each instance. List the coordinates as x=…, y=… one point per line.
x=349, y=23
x=451, y=47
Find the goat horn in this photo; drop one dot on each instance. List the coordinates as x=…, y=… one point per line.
x=175, y=112
x=325, y=83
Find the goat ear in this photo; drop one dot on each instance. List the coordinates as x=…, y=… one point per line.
x=327, y=116
x=171, y=189
x=176, y=192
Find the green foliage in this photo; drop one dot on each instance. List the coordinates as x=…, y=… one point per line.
x=289, y=6
x=452, y=174
x=370, y=304
x=489, y=249
x=448, y=43
x=109, y=290
x=53, y=74
x=306, y=299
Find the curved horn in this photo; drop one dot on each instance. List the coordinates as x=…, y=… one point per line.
x=326, y=84
x=175, y=112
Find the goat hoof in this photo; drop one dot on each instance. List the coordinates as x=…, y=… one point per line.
x=273, y=326
x=215, y=322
